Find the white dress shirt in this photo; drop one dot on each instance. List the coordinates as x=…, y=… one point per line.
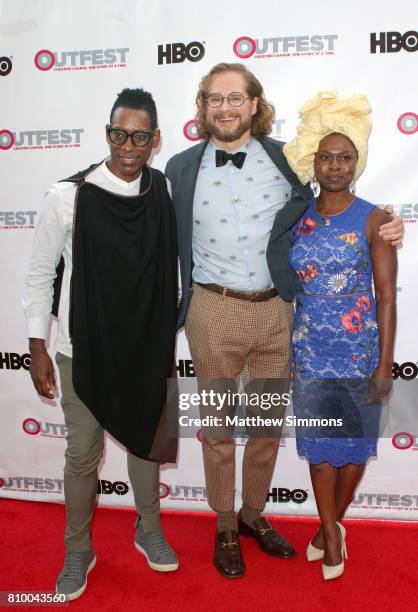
x=233, y=213
x=53, y=238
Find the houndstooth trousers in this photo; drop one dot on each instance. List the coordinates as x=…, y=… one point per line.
x=229, y=337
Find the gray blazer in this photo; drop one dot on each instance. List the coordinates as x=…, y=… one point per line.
x=182, y=170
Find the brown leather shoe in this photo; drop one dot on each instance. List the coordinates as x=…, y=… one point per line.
x=228, y=557
x=267, y=538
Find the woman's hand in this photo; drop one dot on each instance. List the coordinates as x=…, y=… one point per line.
x=380, y=384
x=384, y=265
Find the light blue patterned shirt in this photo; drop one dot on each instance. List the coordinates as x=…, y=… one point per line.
x=233, y=214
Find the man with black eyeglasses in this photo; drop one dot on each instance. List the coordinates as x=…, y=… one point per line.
x=113, y=228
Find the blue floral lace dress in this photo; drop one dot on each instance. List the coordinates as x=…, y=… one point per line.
x=335, y=341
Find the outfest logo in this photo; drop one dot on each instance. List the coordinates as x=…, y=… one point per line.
x=29, y=484
x=68, y=138
x=245, y=47
x=405, y=441
x=408, y=123
x=386, y=501
x=183, y=492
x=90, y=59
x=190, y=130
x=20, y=220
x=33, y=427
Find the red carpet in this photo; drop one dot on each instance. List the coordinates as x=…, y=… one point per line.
x=381, y=571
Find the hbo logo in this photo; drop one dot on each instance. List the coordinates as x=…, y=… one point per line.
x=282, y=495
x=406, y=371
x=393, y=42
x=5, y=66
x=105, y=487
x=13, y=361
x=176, y=53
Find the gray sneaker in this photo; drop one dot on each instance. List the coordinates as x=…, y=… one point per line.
x=155, y=548
x=72, y=580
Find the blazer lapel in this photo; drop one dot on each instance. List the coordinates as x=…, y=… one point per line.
x=294, y=209
x=185, y=195
x=190, y=170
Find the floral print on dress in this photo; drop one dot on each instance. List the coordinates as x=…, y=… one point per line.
x=352, y=321
x=337, y=282
x=308, y=273
x=335, y=333
x=364, y=303
x=307, y=226
x=350, y=238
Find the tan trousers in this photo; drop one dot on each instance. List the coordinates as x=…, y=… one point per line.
x=229, y=336
x=85, y=442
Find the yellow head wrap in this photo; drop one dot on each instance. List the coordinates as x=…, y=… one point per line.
x=325, y=114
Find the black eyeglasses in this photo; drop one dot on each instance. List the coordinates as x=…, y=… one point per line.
x=119, y=137
x=235, y=98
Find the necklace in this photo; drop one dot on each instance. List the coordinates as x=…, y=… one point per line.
x=141, y=193
x=326, y=218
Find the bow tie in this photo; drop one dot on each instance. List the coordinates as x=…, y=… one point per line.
x=237, y=159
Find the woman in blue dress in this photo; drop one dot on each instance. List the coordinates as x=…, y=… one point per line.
x=343, y=336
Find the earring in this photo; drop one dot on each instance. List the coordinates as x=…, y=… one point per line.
x=352, y=187
x=315, y=186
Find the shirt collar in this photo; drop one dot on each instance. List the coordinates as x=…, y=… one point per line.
x=131, y=185
x=244, y=148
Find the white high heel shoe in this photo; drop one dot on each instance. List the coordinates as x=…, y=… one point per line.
x=329, y=572
x=313, y=553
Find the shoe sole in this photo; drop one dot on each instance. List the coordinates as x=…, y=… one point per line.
x=158, y=567
x=77, y=594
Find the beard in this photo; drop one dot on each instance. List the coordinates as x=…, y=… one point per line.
x=225, y=135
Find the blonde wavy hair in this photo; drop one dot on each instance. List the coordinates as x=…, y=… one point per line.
x=262, y=121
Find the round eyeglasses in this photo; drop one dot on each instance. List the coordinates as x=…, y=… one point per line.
x=235, y=98
x=118, y=137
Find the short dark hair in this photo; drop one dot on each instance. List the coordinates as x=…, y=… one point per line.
x=137, y=99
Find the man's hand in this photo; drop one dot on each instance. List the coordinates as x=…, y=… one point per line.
x=41, y=368
x=393, y=230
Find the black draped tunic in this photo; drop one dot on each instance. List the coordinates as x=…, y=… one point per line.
x=123, y=311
